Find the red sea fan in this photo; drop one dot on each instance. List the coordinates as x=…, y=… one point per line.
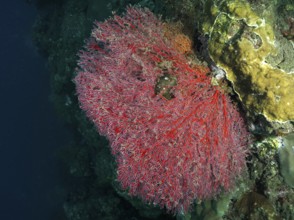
x=175, y=137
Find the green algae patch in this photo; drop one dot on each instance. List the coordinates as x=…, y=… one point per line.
x=240, y=42
x=286, y=159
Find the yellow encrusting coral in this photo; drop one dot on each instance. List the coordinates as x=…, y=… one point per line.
x=239, y=42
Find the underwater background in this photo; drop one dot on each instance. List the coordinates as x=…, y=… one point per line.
x=31, y=133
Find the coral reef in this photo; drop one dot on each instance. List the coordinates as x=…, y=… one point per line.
x=92, y=191
x=267, y=185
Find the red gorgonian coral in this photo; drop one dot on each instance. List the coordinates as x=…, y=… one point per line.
x=175, y=137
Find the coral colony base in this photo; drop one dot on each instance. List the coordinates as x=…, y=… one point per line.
x=175, y=137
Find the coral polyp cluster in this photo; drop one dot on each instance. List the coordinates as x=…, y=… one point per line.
x=175, y=137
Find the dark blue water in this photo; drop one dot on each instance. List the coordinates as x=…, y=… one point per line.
x=30, y=133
